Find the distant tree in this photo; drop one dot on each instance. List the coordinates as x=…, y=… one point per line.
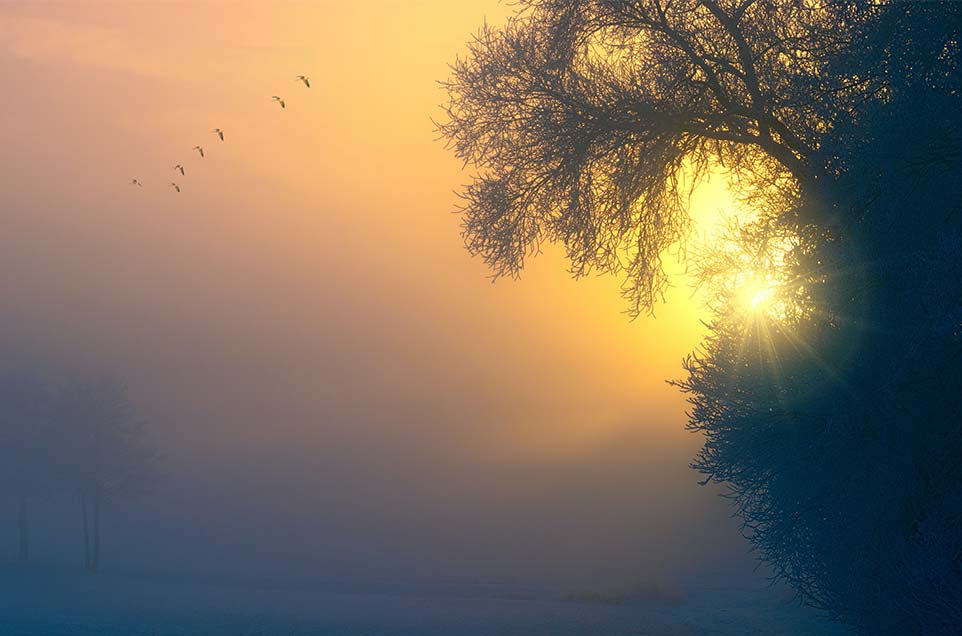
x=832, y=416
x=107, y=452
x=26, y=467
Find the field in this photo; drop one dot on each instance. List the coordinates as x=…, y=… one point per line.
x=54, y=603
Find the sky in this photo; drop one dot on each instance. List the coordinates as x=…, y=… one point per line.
x=336, y=385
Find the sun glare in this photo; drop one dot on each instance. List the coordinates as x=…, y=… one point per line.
x=760, y=298
x=757, y=296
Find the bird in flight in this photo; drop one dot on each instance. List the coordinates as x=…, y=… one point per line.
x=175, y=186
x=199, y=149
x=279, y=101
x=305, y=79
x=219, y=133
x=136, y=183
x=179, y=167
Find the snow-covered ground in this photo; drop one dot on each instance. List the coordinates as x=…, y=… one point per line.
x=45, y=603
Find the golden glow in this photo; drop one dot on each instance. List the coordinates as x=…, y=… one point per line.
x=746, y=271
x=757, y=296
x=327, y=225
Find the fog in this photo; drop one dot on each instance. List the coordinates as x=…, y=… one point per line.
x=336, y=389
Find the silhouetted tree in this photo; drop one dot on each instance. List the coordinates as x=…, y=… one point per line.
x=832, y=416
x=581, y=116
x=107, y=453
x=836, y=425
x=25, y=444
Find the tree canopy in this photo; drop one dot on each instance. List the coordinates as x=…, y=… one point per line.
x=588, y=122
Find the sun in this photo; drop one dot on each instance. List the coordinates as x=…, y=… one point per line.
x=757, y=296
x=760, y=299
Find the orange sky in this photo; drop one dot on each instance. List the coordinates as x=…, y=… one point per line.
x=308, y=288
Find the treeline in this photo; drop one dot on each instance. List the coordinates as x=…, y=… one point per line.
x=79, y=438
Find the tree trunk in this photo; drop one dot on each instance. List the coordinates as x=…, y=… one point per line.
x=95, y=551
x=24, y=530
x=83, y=510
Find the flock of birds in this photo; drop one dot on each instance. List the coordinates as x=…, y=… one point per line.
x=220, y=135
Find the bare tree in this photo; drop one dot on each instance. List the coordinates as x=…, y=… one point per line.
x=25, y=457
x=580, y=118
x=107, y=453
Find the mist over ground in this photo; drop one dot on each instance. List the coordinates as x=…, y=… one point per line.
x=335, y=387
x=340, y=399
